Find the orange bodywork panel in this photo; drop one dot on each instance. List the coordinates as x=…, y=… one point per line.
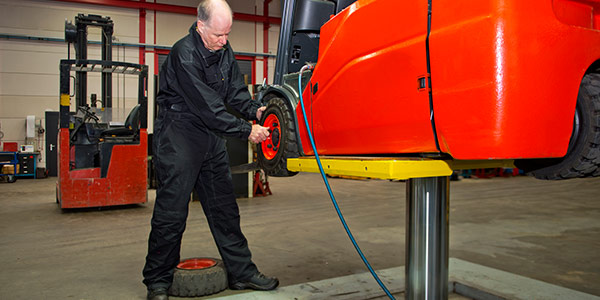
x=366, y=81
x=504, y=78
x=125, y=182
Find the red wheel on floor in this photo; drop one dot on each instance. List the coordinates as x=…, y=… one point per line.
x=198, y=276
x=196, y=263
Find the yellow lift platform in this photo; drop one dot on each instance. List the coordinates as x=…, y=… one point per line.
x=396, y=168
x=427, y=209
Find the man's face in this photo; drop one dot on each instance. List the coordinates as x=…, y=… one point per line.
x=215, y=32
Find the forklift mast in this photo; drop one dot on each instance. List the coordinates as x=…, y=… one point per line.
x=299, y=34
x=78, y=34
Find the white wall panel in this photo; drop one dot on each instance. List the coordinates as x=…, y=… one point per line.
x=21, y=106
x=241, y=6
x=28, y=84
x=171, y=27
x=26, y=57
x=47, y=18
x=14, y=130
x=190, y=3
x=242, y=36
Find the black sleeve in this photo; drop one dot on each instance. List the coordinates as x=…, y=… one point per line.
x=238, y=96
x=205, y=102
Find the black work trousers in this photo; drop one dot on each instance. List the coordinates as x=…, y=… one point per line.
x=187, y=155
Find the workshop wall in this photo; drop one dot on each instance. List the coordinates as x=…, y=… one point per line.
x=29, y=75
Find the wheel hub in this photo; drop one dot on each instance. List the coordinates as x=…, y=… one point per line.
x=196, y=263
x=275, y=137
x=271, y=145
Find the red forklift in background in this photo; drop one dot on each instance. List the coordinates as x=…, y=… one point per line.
x=102, y=161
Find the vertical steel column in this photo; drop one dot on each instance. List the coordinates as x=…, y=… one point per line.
x=143, y=95
x=427, y=238
x=107, y=33
x=81, y=53
x=266, y=26
x=285, y=38
x=65, y=90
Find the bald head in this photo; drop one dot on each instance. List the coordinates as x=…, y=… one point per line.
x=214, y=23
x=209, y=8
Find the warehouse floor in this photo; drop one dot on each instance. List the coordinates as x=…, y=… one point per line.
x=549, y=231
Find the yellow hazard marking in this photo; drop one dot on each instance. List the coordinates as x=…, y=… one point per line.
x=65, y=100
x=390, y=168
x=381, y=168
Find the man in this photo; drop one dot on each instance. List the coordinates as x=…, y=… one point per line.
x=199, y=76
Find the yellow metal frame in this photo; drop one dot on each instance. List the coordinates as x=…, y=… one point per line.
x=389, y=168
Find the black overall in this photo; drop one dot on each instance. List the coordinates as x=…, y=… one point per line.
x=189, y=153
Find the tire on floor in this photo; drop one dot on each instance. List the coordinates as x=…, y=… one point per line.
x=198, y=276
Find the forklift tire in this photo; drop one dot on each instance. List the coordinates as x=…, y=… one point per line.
x=583, y=154
x=281, y=143
x=199, y=276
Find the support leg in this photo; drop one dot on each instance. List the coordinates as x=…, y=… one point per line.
x=427, y=238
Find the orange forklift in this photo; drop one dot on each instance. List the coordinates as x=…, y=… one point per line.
x=102, y=161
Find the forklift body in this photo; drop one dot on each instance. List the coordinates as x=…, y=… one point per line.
x=100, y=165
x=102, y=161
x=485, y=80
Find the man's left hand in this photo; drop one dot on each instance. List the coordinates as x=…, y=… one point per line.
x=260, y=111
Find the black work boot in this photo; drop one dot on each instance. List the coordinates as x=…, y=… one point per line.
x=258, y=282
x=158, y=294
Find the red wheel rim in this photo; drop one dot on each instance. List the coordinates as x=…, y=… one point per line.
x=270, y=146
x=196, y=263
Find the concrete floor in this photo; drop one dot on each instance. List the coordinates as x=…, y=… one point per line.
x=549, y=231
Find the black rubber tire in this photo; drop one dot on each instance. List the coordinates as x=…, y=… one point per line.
x=583, y=154
x=277, y=166
x=199, y=282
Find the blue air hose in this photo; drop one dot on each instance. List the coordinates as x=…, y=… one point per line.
x=335, y=204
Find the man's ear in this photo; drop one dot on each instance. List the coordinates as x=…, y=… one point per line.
x=200, y=25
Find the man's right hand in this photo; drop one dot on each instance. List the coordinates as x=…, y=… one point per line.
x=258, y=134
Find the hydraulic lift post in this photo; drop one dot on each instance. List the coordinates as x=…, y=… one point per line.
x=427, y=209
x=426, y=252
x=427, y=198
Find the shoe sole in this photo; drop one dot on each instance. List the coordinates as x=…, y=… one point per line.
x=244, y=286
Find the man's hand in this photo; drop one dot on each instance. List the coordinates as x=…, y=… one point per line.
x=260, y=111
x=258, y=133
